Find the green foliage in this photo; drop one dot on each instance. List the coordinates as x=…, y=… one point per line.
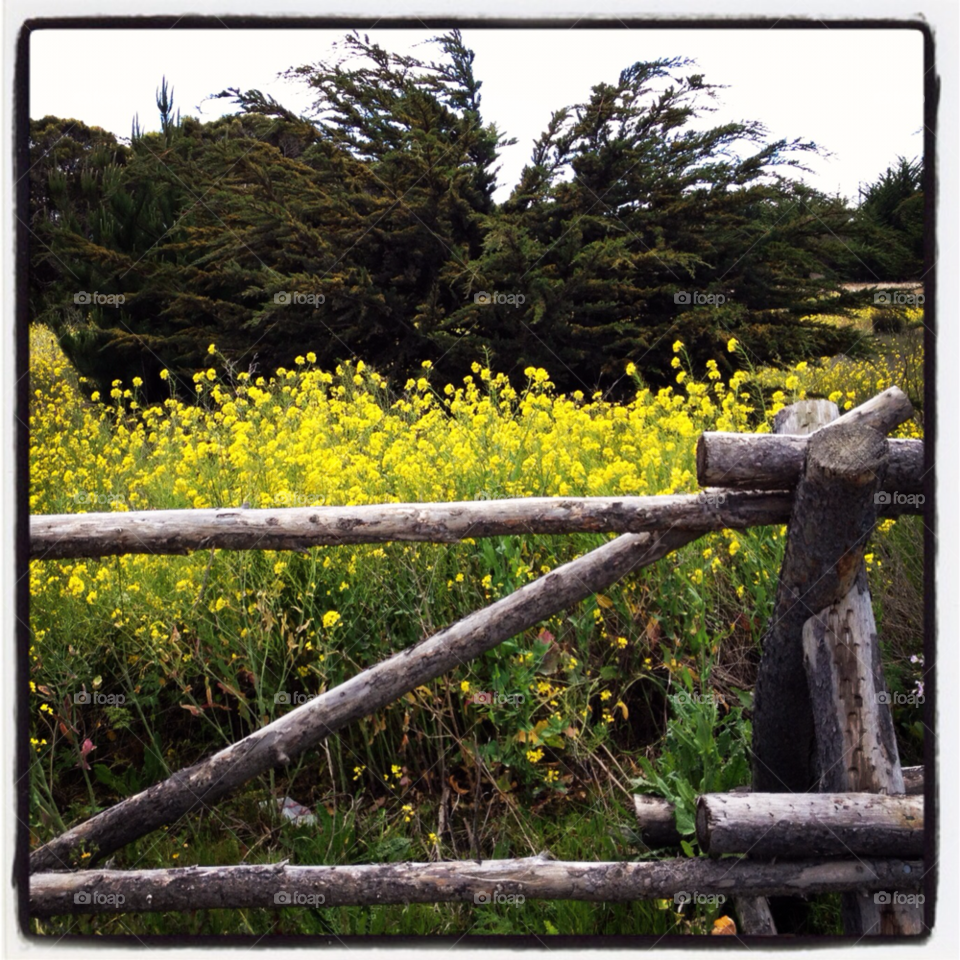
x=890, y=226
x=369, y=231
x=705, y=750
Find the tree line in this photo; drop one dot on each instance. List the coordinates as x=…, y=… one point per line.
x=370, y=230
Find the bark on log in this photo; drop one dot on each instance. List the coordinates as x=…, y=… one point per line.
x=912, y=780
x=201, y=888
x=656, y=820
x=856, y=743
x=756, y=920
x=658, y=826
x=73, y=535
x=286, y=738
x=810, y=825
x=769, y=461
x=834, y=512
x=774, y=461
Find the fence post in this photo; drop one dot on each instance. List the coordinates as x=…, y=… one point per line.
x=799, y=418
x=783, y=735
x=856, y=741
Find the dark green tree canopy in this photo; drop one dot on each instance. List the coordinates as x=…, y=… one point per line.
x=890, y=222
x=369, y=230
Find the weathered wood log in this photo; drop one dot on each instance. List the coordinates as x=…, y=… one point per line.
x=756, y=920
x=72, y=535
x=912, y=780
x=883, y=412
x=774, y=461
x=770, y=461
x=804, y=417
x=299, y=528
x=276, y=886
x=656, y=821
x=278, y=743
x=658, y=827
x=834, y=513
x=856, y=742
x=803, y=826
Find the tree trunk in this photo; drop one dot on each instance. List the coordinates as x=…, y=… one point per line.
x=278, y=743
x=809, y=825
x=275, y=886
x=834, y=512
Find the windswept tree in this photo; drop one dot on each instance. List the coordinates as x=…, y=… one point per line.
x=633, y=227
x=369, y=230
x=271, y=234
x=73, y=169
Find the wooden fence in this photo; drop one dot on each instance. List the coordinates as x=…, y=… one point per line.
x=830, y=808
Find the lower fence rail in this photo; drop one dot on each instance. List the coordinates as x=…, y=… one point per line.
x=276, y=886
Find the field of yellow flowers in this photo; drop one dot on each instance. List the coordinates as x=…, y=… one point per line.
x=182, y=655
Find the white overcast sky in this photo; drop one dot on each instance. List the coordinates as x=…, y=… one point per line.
x=857, y=93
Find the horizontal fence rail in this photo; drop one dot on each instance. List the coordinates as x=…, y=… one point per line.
x=74, y=535
x=276, y=886
x=657, y=821
x=771, y=461
x=803, y=825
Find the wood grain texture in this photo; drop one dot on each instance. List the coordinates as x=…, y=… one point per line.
x=283, y=886
x=808, y=825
